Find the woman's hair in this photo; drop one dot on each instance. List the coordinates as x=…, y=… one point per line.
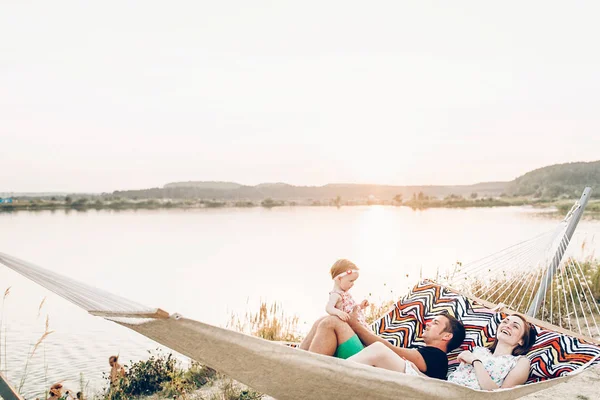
x=340, y=266
x=529, y=335
x=113, y=358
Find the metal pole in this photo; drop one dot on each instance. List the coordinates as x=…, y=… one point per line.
x=534, y=306
x=7, y=392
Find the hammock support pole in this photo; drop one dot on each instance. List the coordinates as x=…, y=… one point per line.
x=537, y=301
x=7, y=392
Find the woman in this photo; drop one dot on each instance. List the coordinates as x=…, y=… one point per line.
x=504, y=364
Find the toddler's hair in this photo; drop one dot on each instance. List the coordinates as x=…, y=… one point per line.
x=341, y=266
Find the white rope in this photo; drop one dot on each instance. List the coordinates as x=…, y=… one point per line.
x=530, y=281
x=508, y=283
x=572, y=298
x=524, y=259
x=564, y=292
x=537, y=282
x=558, y=276
x=552, y=300
x=520, y=257
x=546, y=279
x=586, y=297
x=476, y=266
x=523, y=284
x=549, y=282
x=583, y=312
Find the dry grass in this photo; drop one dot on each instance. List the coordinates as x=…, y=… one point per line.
x=375, y=311
x=40, y=307
x=46, y=333
x=270, y=323
x=6, y=293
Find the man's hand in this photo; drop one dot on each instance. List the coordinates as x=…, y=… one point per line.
x=364, y=304
x=354, y=316
x=466, y=357
x=342, y=315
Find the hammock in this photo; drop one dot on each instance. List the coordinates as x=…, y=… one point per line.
x=287, y=373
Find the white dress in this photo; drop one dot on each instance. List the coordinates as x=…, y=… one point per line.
x=497, y=367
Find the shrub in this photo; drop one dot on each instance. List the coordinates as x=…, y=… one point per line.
x=144, y=377
x=232, y=391
x=199, y=375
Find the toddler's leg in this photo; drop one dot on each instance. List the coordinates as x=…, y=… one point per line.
x=379, y=355
x=305, y=345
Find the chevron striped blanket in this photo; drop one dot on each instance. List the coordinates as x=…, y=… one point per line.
x=554, y=354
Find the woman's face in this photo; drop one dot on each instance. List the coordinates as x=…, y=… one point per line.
x=511, y=330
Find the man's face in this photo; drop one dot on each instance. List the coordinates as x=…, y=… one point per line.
x=436, y=328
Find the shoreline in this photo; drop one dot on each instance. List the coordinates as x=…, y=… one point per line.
x=83, y=204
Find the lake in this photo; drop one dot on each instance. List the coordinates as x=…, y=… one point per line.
x=209, y=263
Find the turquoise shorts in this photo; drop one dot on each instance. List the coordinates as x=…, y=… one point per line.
x=349, y=348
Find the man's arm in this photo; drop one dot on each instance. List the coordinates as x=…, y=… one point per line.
x=367, y=337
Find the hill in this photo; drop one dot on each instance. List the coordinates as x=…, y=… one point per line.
x=559, y=180
x=205, y=185
x=282, y=191
x=555, y=181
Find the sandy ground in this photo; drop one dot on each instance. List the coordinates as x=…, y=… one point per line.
x=585, y=386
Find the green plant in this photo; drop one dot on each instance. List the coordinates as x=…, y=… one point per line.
x=232, y=391
x=177, y=385
x=146, y=377
x=199, y=375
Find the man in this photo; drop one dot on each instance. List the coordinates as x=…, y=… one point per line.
x=444, y=333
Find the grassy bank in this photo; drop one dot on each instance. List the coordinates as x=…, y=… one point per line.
x=417, y=203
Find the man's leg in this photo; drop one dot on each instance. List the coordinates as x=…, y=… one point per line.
x=330, y=333
x=379, y=355
x=305, y=345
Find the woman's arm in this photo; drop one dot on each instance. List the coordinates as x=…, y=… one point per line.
x=518, y=375
x=484, y=379
x=331, y=310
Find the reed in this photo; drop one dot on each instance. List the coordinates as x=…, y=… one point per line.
x=6, y=293
x=47, y=332
x=270, y=323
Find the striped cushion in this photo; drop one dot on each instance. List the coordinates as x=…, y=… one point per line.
x=552, y=355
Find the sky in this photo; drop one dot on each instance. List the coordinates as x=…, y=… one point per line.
x=113, y=95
